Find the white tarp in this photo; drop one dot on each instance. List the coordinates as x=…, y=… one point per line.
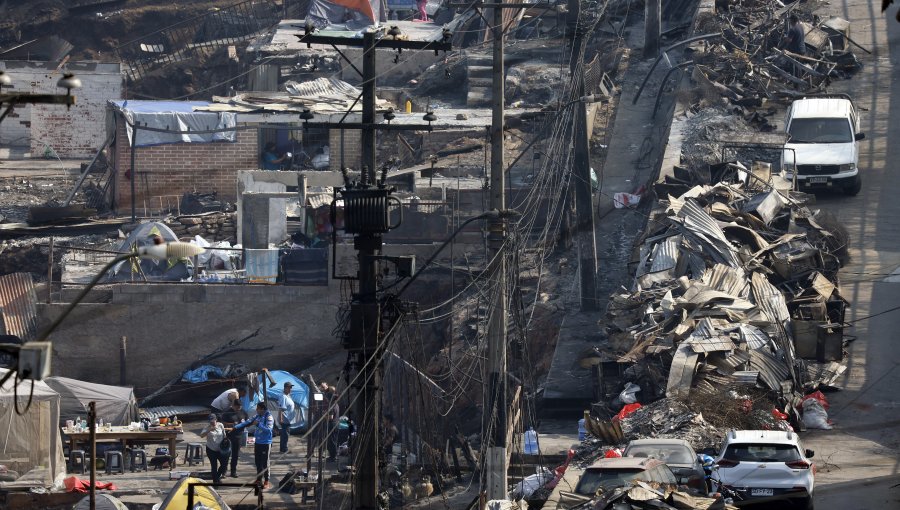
x=115, y=404
x=30, y=444
x=172, y=116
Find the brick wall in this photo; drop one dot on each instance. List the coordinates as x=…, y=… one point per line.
x=74, y=133
x=174, y=169
x=352, y=147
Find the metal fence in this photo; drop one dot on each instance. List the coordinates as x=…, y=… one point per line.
x=205, y=33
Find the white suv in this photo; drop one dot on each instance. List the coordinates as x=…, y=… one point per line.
x=823, y=144
x=767, y=465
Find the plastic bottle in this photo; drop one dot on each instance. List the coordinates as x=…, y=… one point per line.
x=582, y=432
x=531, y=442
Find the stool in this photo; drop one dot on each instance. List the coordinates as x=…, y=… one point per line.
x=193, y=454
x=138, y=460
x=77, y=460
x=115, y=462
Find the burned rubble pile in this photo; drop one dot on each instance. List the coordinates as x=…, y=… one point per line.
x=735, y=305
x=745, y=63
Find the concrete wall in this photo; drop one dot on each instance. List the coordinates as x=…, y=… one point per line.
x=74, y=133
x=170, y=326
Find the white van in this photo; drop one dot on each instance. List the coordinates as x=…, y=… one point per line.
x=823, y=144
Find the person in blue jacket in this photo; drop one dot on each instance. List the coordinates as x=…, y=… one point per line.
x=265, y=423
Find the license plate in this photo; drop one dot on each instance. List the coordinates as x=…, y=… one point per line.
x=818, y=180
x=762, y=492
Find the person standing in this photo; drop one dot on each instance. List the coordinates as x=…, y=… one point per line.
x=264, y=423
x=795, y=40
x=285, y=415
x=222, y=403
x=423, y=14
x=214, y=434
x=332, y=421
x=238, y=437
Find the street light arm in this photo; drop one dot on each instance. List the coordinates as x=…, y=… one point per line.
x=493, y=215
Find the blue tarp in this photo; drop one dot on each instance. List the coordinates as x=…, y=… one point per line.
x=202, y=374
x=299, y=394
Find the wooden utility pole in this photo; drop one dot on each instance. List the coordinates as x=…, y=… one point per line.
x=652, y=27
x=495, y=411
x=584, y=196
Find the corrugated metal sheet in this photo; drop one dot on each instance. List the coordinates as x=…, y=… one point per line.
x=769, y=299
x=322, y=95
x=730, y=280
x=167, y=411
x=771, y=369
x=18, y=305
x=746, y=376
x=665, y=255
x=754, y=337
x=702, y=226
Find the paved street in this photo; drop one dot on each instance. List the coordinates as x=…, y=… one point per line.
x=859, y=460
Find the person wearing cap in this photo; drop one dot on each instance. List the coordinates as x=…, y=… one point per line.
x=264, y=423
x=285, y=415
x=214, y=434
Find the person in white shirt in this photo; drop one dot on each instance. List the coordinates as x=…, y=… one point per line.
x=285, y=415
x=222, y=403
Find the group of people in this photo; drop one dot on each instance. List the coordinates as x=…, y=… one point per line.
x=226, y=432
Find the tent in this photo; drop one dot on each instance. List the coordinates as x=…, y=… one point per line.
x=172, y=270
x=30, y=443
x=115, y=404
x=103, y=502
x=177, y=499
x=299, y=394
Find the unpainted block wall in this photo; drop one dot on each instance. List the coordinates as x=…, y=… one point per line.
x=174, y=169
x=74, y=133
x=170, y=326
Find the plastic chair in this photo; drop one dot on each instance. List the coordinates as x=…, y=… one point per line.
x=115, y=462
x=77, y=460
x=138, y=460
x=193, y=454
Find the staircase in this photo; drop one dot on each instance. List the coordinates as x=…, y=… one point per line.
x=479, y=67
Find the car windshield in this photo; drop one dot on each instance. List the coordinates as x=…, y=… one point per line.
x=762, y=452
x=593, y=479
x=820, y=131
x=668, y=453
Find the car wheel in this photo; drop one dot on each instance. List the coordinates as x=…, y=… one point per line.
x=854, y=188
x=807, y=504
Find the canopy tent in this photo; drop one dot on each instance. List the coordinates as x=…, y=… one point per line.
x=299, y=394
x=177, y=499
x=103, y=502
x=30, y=443
x=115, y=404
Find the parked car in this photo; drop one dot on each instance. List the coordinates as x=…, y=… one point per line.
x=766, y=466
x=823, y=144
x=677, y=454
x=608, y=474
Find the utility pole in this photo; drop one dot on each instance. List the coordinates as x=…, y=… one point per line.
x=584, y=196
x=495, y=411
x=367, y=216
x=652, y=28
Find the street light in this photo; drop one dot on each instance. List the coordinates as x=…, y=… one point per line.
x=69, y=81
